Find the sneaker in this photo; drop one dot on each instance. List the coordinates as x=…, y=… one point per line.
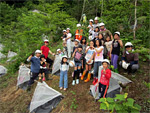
x=61, y=88
x=73, y=82
x=77, y=81
x=43, y=79
x=65, y=89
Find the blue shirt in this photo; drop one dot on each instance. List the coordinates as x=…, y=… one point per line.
x=35, y=64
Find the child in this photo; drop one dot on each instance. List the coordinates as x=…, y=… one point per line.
x=89, y=61
x=65, y=50
x=98, y=59
x=68, y=40
x=115, y=50
x=64, y=73
x=77, y=55
x=79, y=32
x=84, y=45
x=76, y=44
x=45, y=51
x=64, y=35
x=108, y=44
x=95, y=34
x=104, y=80
x=42, y=67
x=100, y=36
x=60, y=53
x=90, y=26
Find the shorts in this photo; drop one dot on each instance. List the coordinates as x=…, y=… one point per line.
x=42, y=71
x=78, y=64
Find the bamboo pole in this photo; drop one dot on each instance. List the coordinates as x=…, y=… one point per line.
x=135, y=23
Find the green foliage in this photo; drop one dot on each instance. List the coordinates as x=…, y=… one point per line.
x=73, y=104
x=24, y=35
x=119, y=104
x=147, y=84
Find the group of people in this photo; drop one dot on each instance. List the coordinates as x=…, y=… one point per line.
x=103, y=48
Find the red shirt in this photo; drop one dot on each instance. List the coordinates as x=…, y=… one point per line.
x=105, y=77
x=45, y=51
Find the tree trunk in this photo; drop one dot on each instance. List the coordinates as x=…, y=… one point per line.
x=102, y=8
x=82, y=10
x=135, y=23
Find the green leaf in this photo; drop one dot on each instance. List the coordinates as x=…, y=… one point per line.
x=110, y=99
x=101, y=100
x=103, y=106
x=130, y=102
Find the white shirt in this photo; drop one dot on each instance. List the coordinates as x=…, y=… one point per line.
x=108, y=45
x=64, y=67
x=69, y=35
x=90, y=28
x=96, y=25
x=99, y=56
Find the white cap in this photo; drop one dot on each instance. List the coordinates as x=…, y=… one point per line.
x=76, y=40
x=128, y=44
x=101, y=24
x=64, y=30
x=64, y=56
x=106, y=60
x=78, y=25
x=58, y=50
x=91, y=20
x=96, y=18
x=37, y=51
x=117, y=32
x=68, y=28
x=46, y=40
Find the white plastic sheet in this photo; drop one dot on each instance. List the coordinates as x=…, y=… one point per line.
x=23, y=76
x=42, y=94
x=57, y=64
x=3, y=70
x=2, y=55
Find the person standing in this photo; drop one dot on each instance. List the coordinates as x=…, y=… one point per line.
x=115, y=50
x=35, y=67
x=68, y=40
x=105, y=31
x=96, y=23
x=45, y=51
x=79, y=32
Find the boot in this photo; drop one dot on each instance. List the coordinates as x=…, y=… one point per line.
x=82, y=77
x=94, y=81
x=88, y=78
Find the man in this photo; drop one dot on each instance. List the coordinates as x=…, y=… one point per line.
x=35, y=67
x=130, y=59
x=79, y=32
x=68, y=40
x=96, y=23
x=45, y=51
x=105, y=32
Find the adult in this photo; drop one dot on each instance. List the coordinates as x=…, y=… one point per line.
x=96, y=24
x=130, y=59
x=45, y=51
x=105, y=31
x=35, y=67
x=68, y=40
x=79, y=32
